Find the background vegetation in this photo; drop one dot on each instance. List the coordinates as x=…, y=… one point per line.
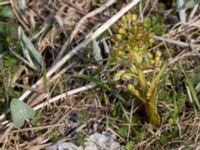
x=139, y=80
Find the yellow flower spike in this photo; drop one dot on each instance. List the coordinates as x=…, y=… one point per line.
x=132, y=43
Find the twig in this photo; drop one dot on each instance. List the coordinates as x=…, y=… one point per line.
x=7, y=131
x=193, y=24
x=100, y=30
x=26, y=87
x=152, y=7
x=179, y=43
x=179, y=57
x=61, y=72
x=75, y=7
x=146, y=5
x=39, y=128
x=56, y=98
x=193, y=12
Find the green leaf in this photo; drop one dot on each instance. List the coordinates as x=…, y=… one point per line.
x=181, y=10
x=96, y=51
x=130, y=145
x=192, y=91
x=97, y=81
x=123, y=131
x=7, y=11
x=29, y=46
x=20, y=111
x=197, y=88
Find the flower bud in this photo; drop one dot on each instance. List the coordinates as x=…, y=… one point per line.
x=157, y=59
x=152, y=62
x=133, y=69
x=129, y=17
x=124, y=20
x=119, y=37
x=134, y=17
x=126, y=76
x=122, y=31
x=118, y=75
x=158, y=54
x=150, y=56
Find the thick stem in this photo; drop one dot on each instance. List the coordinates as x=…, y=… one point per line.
x=151, y=113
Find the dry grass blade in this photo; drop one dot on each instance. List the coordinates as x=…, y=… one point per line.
x=179, y=43
x=13, y=4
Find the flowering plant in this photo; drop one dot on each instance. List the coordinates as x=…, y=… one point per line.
x=130, y=50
